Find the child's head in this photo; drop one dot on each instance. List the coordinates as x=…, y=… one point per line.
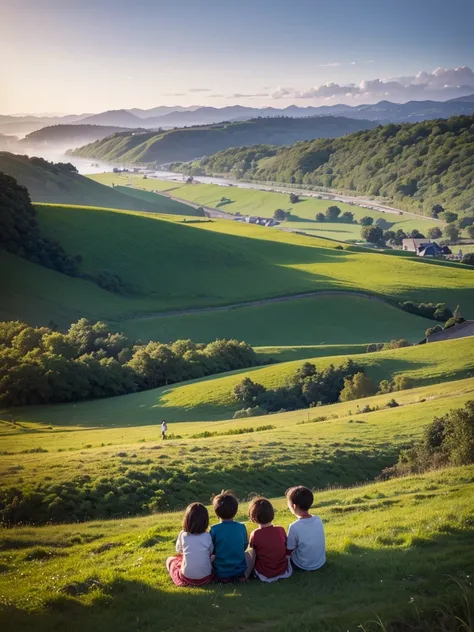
x=225, y=505
x=261, y=511
x=196, y=519
x=299, y=499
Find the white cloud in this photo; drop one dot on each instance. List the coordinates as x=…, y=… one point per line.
x=440, y=84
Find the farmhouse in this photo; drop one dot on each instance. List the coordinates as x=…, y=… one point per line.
x=412, y=245
x=462, y=330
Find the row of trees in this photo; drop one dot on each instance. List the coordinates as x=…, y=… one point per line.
x=41, y=365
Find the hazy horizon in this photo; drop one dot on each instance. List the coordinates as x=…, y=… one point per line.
x=87, y=57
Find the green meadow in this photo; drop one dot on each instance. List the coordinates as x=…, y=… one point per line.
x=264, y=204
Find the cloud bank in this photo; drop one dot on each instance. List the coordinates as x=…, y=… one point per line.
x=441, y=84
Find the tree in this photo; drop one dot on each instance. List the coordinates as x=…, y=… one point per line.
x=366, y=221
x=451, y=233
x=249, y=393
x=470, y=231
x=415, y=234
x=449, y=217
x=373, y=235
x=294, y=199
x=347, y=217
x=279, y=215
x=434, y=232
x=464, y=222
x=357, y=387
x=320, y=217
x=468, y=259
x=436, y=209
x=332, y=213
x=433, y=330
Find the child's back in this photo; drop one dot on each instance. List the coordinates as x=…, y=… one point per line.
x=307, y=542
x=230, y=541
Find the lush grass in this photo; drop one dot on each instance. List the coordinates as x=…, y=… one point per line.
x=319, y=320
x=212, y=398
x=134, y=180
x=286, y=353
x=393, y=550
x=45, y=183
x=264, y=204
x=171, y=265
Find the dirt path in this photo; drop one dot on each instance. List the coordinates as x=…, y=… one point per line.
x=277, y=299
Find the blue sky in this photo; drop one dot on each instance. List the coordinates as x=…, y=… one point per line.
x=91, y=55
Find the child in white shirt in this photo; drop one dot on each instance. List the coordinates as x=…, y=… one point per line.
x=306, y=542
x=192, y=566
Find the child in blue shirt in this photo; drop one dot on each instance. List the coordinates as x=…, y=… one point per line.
x=230, y=540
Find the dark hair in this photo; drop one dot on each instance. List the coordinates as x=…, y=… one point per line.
x=196, y=519
x=225, y=505
x=261, y=511
x=300, y=496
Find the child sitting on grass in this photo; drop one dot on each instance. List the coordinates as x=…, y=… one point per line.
x=192, y=566
x=230, y=540
x=306, y=542
x=268, y=543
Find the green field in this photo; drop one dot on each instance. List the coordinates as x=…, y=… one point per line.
x=264, y=204
x=137, y=181
x=321, y=320
x=168, y=265
x=395, y=551
x=211, y=398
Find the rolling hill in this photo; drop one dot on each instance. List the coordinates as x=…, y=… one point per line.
x=188, y=143
x=61, y=184
x=169, y=264
x=419, y=164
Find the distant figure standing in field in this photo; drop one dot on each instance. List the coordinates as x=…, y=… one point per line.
x=164, y=430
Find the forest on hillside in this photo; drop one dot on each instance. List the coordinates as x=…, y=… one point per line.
x=421, y=164
x=181, y=144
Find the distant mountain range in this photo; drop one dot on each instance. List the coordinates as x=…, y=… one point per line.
x=177, y=116
x=182, y=144
x=69, y=135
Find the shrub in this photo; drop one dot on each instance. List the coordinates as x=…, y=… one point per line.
x=294, y=199
x=447, y=441
x=357, y=387
x=392, y=403
x=468, y=259
x=366, y=221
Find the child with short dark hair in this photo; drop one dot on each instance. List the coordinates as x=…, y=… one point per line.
x=306, y=542
x=268, y=543
x=230, y=540
x=192, y=566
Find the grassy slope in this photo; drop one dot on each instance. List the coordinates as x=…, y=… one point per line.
x=317, y=321
x=212, y=398
x=392, y=548
x=44, y=185
x=169, y=265
x=264, y=203
x=134, y=180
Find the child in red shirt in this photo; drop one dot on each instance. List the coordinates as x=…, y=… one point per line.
x=268, y=543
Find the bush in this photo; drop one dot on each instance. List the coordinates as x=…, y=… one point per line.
x=357, y=387
x=366, y=221
x=435, y=311
x=433, y=330
x=392, y=403
x=279, y=215
x=468, y=259
x=294, y=199
x=332, y=213
x=447, y=441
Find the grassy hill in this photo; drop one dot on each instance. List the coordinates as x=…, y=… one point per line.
x=169, y=266
x=421, y=164
x=393, y=551
x=47, y=182
x=192, y=142
x=212, y=398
